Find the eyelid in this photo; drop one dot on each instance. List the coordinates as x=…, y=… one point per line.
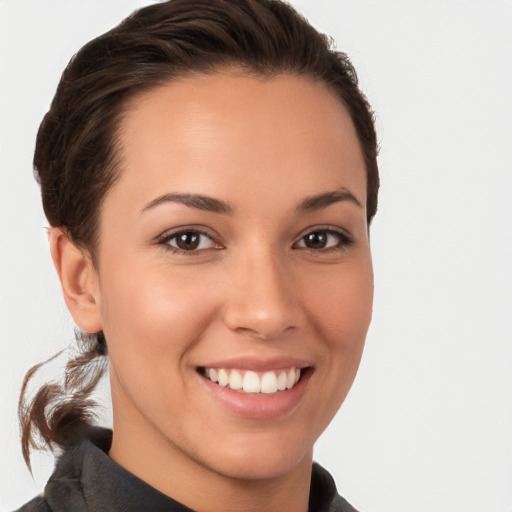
x=168, y=235
x=346, y=239
x=325, y=227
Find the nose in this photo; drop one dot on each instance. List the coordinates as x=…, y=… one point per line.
x=263, y=300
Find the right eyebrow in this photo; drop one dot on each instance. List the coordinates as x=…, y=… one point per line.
x=324, y=200
x=193, y=200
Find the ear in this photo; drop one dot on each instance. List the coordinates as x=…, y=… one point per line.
x=78, y=279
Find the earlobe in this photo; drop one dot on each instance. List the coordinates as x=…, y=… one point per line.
x=78, y=279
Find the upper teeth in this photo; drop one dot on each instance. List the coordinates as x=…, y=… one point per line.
x=253, y=382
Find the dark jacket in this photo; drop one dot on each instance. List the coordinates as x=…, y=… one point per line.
x=88, y=480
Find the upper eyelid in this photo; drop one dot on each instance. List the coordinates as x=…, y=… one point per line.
x=170, y=233
x=174, y=235
x=329, y=228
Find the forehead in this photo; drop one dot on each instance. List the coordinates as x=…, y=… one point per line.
x=222, y=132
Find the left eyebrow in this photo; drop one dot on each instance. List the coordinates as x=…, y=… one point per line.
x=325, y=199
x=198, y=201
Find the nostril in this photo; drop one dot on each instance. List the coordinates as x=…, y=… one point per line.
x=265, y=332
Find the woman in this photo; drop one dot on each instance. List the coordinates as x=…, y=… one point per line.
x=208, y=169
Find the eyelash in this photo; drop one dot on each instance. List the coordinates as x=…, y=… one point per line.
x=165, y=240
x=344, y=240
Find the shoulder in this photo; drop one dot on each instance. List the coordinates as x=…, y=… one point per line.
x=36, y=505
x=64, y=490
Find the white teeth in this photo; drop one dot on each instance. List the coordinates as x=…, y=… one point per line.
x=251, y=382
x=290, y=379
x=269, y=382
x=235, y=380
x=281, y=381
x=223, y=377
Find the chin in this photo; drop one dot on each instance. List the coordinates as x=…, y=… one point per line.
x=263, y=468
x=262, y=459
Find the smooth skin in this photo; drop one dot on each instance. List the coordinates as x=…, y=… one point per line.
x=253, y=285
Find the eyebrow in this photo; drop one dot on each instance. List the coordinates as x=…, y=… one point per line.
x=210, y=204
x=325, y=199
x=193, y=200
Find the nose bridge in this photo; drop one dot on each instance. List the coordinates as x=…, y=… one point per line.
x=262, y=299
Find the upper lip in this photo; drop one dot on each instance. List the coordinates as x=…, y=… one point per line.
x=258, y=364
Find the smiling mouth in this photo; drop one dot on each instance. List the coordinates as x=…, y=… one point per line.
x=248, y=381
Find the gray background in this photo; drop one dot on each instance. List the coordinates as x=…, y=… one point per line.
x=428, y=424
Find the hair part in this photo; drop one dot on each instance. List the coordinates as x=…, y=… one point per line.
x=77, y=160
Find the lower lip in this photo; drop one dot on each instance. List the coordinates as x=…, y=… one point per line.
x=259, y=405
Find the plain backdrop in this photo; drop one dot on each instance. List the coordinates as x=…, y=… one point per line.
x=428, y=424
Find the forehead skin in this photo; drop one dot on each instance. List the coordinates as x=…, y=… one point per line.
x=195, y=120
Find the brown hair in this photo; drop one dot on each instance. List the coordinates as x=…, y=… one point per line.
x=75, y=158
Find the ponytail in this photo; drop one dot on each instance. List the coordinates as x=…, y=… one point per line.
x=61, y=413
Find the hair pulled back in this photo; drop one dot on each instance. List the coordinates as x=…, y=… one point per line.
x=75, y=159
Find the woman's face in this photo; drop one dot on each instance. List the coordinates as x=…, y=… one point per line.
x=234, y=248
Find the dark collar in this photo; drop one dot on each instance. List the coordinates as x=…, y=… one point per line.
x=88, y=480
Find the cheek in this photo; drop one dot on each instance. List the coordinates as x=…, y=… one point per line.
x=153, y=320
x=341, y=302
x=340, y=311
x=155, y=311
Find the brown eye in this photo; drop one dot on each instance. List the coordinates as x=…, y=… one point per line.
x=188, y=242
x=316, y=240
x=325, y=239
